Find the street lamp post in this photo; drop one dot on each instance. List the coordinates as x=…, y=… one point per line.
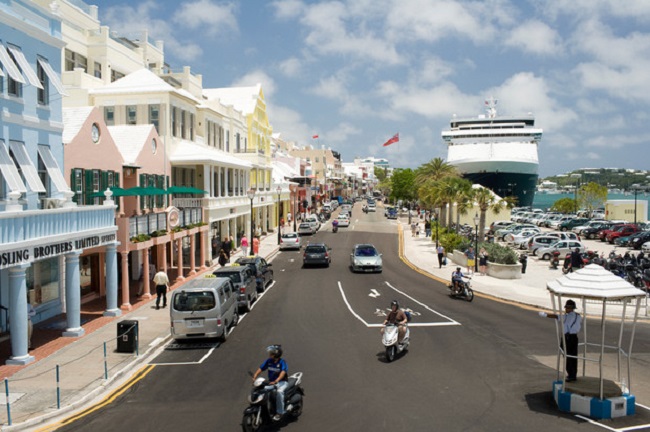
x=437, y=225
x=295, y=209
x=251, y=196
x=279, y=191
x=476, y=221
x=409, y=213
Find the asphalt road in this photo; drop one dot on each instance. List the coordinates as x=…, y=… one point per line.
x=470, y=367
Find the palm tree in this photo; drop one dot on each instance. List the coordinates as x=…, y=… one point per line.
x=435, y=169
x=486, y=200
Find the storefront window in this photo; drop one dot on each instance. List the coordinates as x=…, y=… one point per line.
x=43, y=281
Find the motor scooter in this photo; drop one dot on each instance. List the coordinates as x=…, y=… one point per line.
x=262, y=402
x=335, y=226
x=555, y=260
x=390, y=337
x=465, y=290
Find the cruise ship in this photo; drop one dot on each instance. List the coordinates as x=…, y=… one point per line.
x=499, y=153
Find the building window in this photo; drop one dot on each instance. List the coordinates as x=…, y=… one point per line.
x=42, y=280
x=131, y=114
x=174, y=114
x=237, y=142
x=228, y=141
x=191, y=127
x=97, y=70
x=109, y=116
x=154, y=115
x=182, y=124
x=96, y=180
x=115, y=75
x=14, y=88
x=43, y=94
x=45, y=179
x=77, y=185
x=75, y=60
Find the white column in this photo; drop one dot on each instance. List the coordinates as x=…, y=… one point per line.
x=111, y=281
x=72, y=296
x=227, y=181
x=18, y=316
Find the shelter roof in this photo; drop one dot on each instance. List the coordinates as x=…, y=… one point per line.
x=130, y=139
x=73, y=121
x=594, y=282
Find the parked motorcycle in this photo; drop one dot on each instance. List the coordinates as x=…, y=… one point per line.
x=555, y=260
x=262, y=402
x=465, y=291
x=389, y=339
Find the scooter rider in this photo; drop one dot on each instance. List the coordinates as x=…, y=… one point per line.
x=278, y=372
x=457, y=280
x=396, y=316
x=335, y=225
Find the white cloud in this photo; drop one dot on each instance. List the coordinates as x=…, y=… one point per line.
x=253, y=78
x=535, y=37
x=291, y=67
x=285, y=9
x=341, y=133
x=207, y=15
x=332, y=87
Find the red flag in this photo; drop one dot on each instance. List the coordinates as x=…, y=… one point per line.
x=393, y=140
x=314, y=136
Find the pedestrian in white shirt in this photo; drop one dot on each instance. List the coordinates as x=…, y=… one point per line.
x=162, y=286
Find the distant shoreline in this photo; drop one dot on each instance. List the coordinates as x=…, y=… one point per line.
x=544, y=201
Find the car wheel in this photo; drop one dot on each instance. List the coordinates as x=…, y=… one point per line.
x=546, y=257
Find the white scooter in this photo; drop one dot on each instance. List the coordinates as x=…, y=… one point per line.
x=389, y=339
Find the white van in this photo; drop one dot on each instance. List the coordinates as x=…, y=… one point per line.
x=313, y=221
x=203, y=308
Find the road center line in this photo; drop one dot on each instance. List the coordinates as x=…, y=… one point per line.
x=454, y=322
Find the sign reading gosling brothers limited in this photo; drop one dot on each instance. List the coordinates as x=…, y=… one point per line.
x=30, y=254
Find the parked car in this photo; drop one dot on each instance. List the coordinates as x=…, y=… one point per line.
x=594, y=231
x=365, y=258
x=243, y=283
x=290, y=241
x=624, y=231
x=317, y=254
x=592, y=223
x=203, y=308
x=497, y=225
x=641, y=238
x=645, y=248
x=563, y=246
x=571, y=223
x=312, y=219
x=555, y=224
x=515, y=229
x=305, y=229
x=602, y=234
x=392, y=213
x=539, y=242
x=262, y=270
x=516, y=239
x=551, y=219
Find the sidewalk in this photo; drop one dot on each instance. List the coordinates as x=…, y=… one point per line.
x=530, y=290
x=33, y=387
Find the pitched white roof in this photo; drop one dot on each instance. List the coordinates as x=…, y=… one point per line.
x=593, y=282
x=189, y=152
x=140, y=81
x=73, y=120
x=243, y=99
x=130, y=139
x=282, y=171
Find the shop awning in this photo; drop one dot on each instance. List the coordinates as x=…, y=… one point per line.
x=185, y=190
x=144, y=191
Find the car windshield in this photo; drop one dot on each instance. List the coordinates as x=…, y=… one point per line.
x=289, y=236
x=315, y=249
x=365, y=251
x=235, y=277
x=304, y=225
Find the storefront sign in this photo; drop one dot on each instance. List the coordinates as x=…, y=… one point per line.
x=34, y=253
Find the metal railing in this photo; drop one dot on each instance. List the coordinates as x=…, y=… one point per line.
x=147, y=224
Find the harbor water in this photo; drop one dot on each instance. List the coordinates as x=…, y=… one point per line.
x=545, y=201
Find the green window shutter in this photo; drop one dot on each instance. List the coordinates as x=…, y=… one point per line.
x=73, y=185
x=116, y=179
x=88, y=187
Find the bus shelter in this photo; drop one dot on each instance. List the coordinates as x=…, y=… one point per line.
x=602, y=391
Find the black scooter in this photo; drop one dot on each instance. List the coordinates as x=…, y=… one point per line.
x=262, y=402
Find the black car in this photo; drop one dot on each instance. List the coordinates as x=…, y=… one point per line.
x=638, y=239
x=317, y=254
x=592, y=233
x=262, y=270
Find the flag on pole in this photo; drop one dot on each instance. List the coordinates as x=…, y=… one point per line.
x=393, y=140
x=314, y=136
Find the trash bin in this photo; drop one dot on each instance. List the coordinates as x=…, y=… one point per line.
x=127, y=336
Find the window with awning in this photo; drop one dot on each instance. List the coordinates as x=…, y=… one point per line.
x=25, y=66
x=52, y=168
x=26, y=166
x=52, y=75
x=9, y=171
x=10, y=66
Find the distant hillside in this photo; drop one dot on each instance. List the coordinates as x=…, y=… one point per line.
x=619, y=178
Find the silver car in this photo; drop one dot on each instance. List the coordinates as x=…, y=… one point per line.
x=290, y=241
x=563, y=246
x=365, y=258
x=305, y=228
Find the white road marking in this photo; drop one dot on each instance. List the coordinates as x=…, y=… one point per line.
x=374, y=293
x=451, y=322
x=624, y=429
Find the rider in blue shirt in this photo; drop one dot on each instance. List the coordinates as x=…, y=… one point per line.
x=457, y=279
x=278, y=373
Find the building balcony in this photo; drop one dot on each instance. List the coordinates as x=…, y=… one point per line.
x=35, y=224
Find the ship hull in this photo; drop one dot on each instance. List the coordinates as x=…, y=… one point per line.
x=520, y=185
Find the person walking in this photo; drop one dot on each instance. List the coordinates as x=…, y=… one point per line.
x=413, y=226
x=223, y=258
x=256, y=246
x=244, y=245
x=162, y=285
x=572, y=325
x=469, y=253
x=576, y=260
x=427, y=228
x=227, y=247
x=441, y=255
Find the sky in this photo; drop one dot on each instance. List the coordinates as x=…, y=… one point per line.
x=356, y=72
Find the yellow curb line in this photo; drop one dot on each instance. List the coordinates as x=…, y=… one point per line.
x=107, y=400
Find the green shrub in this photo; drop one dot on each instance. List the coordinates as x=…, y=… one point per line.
x=140, y=238
x=499, y=254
